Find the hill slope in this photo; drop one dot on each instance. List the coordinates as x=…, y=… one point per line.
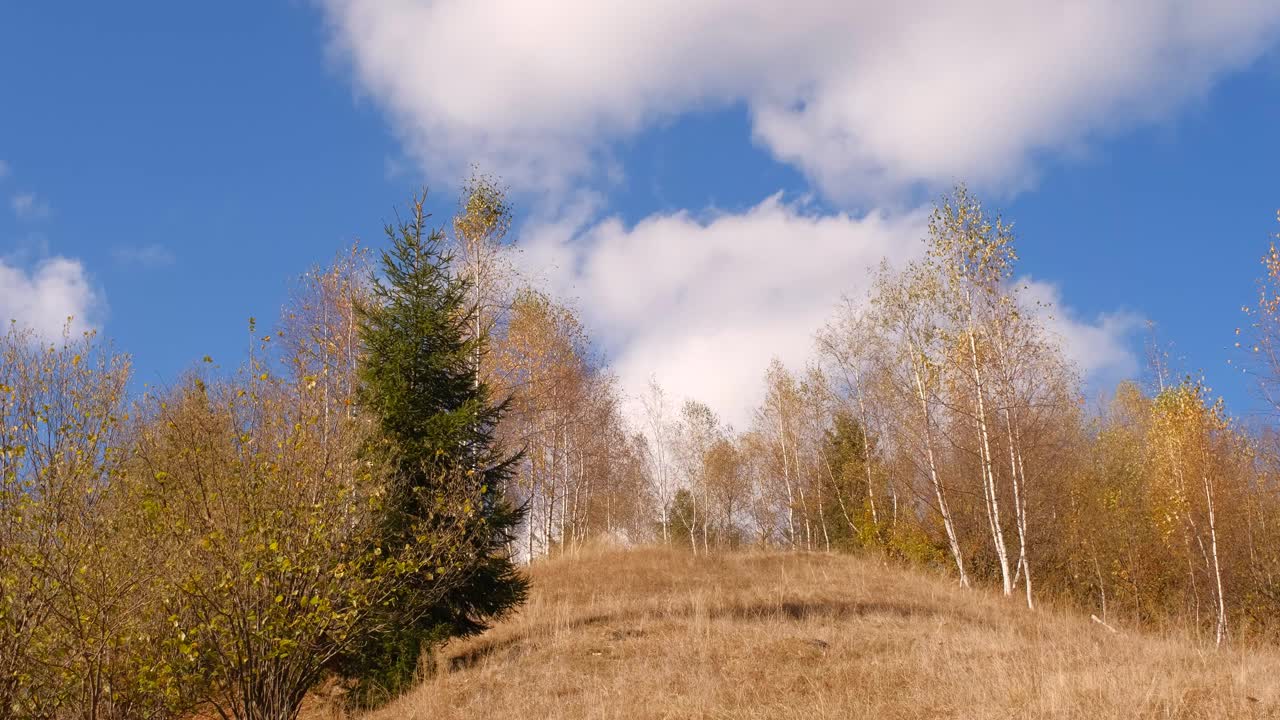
x=659, y=634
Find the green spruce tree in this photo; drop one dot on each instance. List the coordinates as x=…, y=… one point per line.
x=437, y=426
x=845, y=467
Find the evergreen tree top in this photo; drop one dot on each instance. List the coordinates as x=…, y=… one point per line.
x=421, y=380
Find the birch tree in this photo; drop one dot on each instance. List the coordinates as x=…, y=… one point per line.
x=660, y=435
x=1186, y=433
x=778, y=421
x=904, y=313
x=973, y=256
x=698, y=431
x=480, y=229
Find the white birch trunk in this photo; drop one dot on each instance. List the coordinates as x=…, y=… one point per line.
x=988, y=476
x=1019, y=504
x=786, y=476
x=866, y=451
x=956, y=553
x=1221, y=630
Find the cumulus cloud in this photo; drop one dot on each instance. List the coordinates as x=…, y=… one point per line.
x=868, y=98
x=43, y=298
x=871, y=100
x=1102, y=348
x=703, y=304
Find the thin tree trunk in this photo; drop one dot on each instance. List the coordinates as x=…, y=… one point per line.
x=822, y=520
x=1102, y=588
x=1221, y=631
x=582, y=516
x=1019, y=508
x=866, y=454
x=786, y=476
x=549, y=518
x=844, y=510
x=564, y=493
x=706, y=513
x=893, y=502
x=989, y=484
x=529, y=521
x=956, y=553
x=804, y=508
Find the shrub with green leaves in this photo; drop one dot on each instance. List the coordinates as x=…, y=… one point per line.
x=77, y=596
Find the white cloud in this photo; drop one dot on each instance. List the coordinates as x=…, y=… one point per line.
x=867, y=97
x=4, y=169
x=704, y=304
x=1102, y=348
x=43, y=299
x=27, y=206
x=870, y=99
x=150, y=256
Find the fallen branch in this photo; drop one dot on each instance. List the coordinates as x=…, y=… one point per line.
x=1099, y=620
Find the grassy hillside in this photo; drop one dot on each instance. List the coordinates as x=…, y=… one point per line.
x=659, y=634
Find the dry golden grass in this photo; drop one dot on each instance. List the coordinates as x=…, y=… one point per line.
x=660, y=634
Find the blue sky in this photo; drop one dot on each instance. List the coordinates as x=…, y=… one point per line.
x=169, y=168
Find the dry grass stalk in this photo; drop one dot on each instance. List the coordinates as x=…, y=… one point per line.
x=660, y=634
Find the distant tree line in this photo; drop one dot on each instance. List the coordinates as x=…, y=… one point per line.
x=939, y=422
